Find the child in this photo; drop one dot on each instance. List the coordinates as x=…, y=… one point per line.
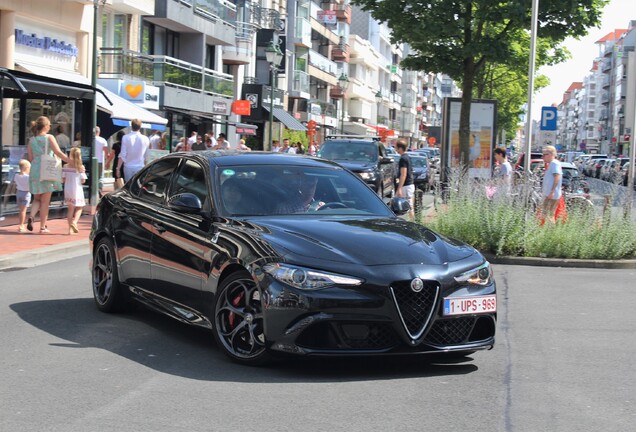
x=22, y=194
x=74, y=176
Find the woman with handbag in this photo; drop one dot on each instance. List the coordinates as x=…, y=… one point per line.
x=42, y=148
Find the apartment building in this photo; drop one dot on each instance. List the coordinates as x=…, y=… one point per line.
x=593, y=115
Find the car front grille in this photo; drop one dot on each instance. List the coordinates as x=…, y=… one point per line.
x=348, y=335
x=453, y=331
x=415, y=308
x=371, y=336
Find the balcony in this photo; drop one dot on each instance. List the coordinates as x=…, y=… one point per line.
x=265, y=18
x=118, y=63
x=321, y=68
x=124, y=64
x=340, y=53
x=214, y=9
x=215, y=18
x=343, y=12
x=606, y=82
x=300, y=82
x=303, y=33
x=241, y=52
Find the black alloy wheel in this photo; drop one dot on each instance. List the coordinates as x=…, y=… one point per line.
x=108, y=293
x=238, y=320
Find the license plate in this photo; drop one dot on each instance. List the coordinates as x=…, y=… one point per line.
x=470, y=305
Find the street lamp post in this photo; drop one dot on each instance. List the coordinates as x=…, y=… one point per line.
x=343, y=84
x=378, y=101
x=274, y=56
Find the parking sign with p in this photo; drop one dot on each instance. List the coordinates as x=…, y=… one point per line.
x=548, y=119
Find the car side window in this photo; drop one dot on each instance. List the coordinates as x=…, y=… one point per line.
x=153, y=187
x=382, y=150
x=191, y=179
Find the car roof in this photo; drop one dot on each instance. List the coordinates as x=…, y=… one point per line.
x=234, y=157
x=568, y=165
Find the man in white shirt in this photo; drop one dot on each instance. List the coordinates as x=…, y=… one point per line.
x=222, y=143
x=100, y=150
x=193, y=138
x=155, y=140
x=133, y=151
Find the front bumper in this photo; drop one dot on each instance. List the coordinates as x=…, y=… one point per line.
x=371, y=319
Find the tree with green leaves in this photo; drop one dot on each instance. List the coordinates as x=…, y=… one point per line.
x=460, y=37
x=508, y=83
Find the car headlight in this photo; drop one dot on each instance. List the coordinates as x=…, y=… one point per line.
x=368, y=175
x=307, y=279
x=481, y=275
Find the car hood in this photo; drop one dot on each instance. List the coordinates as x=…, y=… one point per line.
x=373, y=241
x=356, y=166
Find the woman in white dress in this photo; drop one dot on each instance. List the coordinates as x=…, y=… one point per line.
x=74, y=176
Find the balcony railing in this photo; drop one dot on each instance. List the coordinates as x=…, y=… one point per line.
x=322, y=62
x=303, y=31
x=266, y=18
x=327, y=109
x=175, y=72
x=301, y=81
x=119, y=63
x=222, y=9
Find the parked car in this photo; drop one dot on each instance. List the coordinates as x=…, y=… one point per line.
x=591, y=166
x=366, y=157
x=433, y=155
x=421, y=172
x=572, y=180
x=533, y=156
x=208, y=238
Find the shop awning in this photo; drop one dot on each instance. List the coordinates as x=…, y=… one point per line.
x=285, y=118
x=245, y=129
x=121, y=111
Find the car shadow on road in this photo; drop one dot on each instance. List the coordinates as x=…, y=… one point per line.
x=171, y=347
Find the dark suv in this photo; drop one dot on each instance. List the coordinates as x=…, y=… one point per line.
x=366, y=157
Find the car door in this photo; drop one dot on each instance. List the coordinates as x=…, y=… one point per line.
x=133, y=223
x=387, y=168
x=181, y=244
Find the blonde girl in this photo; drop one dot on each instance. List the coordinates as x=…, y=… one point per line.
x=74, y=175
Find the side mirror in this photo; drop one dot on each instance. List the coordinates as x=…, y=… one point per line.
x=400, y=205
x=386, y=160
x=186, y=203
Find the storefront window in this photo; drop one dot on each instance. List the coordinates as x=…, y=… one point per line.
x=60, y=113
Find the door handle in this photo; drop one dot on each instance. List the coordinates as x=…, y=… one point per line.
x=159, y=227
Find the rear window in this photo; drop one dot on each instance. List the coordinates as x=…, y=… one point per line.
x=357, y=151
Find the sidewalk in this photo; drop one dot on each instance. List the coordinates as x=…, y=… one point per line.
x=28, y=249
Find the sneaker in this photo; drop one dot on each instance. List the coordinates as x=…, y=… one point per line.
x=30, y=224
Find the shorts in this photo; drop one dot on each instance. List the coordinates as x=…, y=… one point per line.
x=23, y=198
x=549, y=207
x=409, y=191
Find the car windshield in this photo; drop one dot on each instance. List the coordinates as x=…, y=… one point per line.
x=349, y=151
x=265, y=190
x=570, y=173
x=419, y=162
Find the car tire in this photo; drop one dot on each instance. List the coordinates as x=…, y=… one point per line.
x=109, y=294
x=238, y=320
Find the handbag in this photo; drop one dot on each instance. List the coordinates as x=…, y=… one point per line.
x=50, y=166
x=119, y=183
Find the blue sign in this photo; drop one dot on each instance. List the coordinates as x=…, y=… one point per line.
x=548, y=119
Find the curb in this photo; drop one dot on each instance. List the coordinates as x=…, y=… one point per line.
x=562, y=262
x=45, y=255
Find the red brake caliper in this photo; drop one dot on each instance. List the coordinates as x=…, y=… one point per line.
x=235, y=302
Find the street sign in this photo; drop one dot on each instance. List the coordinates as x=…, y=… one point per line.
x=548, y=119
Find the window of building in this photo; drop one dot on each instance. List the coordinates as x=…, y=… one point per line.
x=147, y=38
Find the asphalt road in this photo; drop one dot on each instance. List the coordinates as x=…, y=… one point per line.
x=563, y=362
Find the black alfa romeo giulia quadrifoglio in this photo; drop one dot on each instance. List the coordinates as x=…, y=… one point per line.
x=285, y=254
